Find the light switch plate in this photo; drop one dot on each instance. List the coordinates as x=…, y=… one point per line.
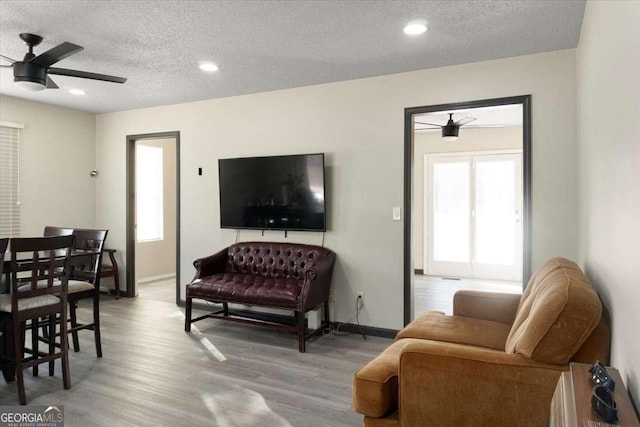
x=397, y=214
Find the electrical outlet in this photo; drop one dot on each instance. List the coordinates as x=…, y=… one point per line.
x=360, y=297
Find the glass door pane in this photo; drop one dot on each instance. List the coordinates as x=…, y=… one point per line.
x=495, y=212
x=451, y=211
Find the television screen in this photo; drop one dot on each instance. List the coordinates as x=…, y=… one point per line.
x=273, y=193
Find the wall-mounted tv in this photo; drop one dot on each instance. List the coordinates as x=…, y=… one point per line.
x=273, y=193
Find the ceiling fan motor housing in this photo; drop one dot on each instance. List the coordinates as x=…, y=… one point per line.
x=27, y=72
x=450, y=130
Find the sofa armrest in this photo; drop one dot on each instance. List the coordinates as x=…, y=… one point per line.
x=317, y=283
x=452, y=385
x=493, y=306
x=211, y=264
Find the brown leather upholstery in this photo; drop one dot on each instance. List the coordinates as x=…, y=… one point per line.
x=280, y=275
x=247, y=289
x=283, y=260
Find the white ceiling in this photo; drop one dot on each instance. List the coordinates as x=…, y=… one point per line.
x=497, y=116
x=266, y=45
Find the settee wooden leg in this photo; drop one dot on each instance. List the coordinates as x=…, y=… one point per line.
x=187, y=315
x=326, y=312
x=225, y=307
x=301, y=330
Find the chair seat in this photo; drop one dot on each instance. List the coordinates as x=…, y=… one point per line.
x=79, y=286
x=27, y=303
x=73, y=286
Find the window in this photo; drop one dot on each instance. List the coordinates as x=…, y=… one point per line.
x=149, y=189
x=10, y=179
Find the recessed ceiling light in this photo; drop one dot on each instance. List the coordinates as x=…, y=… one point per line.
x=415, y=28
x=208, y=66
x=78, y=92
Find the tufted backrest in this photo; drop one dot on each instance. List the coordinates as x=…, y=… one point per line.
x=268, y=259
x=557, y=313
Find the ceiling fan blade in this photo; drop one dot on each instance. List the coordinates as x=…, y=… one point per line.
x=6, y=58
x=484, y=126
x=465, y=120
x=51, y=84
x=86, y=75
x=425, y=123
x=56, y=54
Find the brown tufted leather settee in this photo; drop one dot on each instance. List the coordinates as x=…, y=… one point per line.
x=286, y=276
x=495, y=362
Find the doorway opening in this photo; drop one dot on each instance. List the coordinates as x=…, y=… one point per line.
x=467, y=201
x=153, y=216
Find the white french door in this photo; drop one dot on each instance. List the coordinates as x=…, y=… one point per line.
x=473, y=215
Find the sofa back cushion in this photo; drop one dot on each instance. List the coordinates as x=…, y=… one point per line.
x=557, y=313
x=268, y=259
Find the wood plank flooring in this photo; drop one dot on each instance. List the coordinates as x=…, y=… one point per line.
x=222, y=374
x=436, y=293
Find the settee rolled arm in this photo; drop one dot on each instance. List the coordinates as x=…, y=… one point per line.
x=210, y=265
x=448, y=384
x=493, y=306
x=317, y=283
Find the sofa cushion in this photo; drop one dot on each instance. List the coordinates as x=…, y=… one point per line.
x=247, y=289
x=557, y=313
x=375, y=386
x=455, y=329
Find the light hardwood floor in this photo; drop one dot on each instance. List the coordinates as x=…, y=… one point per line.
x=222, y=374
x=436, y=293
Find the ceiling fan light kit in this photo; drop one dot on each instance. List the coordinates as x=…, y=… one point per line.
x=32, y=73
x=450, y=132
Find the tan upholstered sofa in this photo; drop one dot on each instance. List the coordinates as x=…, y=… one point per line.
x=495, y=362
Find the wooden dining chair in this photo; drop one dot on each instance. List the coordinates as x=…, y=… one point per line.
x=5, y=367
x=85, y=282
x=39, y=280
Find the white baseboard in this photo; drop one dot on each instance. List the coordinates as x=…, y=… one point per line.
x=158, y=278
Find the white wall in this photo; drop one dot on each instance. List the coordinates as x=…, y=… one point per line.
x=359, y=125
x=57, y=152
x=431, y=143
x=609, y=158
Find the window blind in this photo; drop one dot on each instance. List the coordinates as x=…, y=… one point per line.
x=10, y=179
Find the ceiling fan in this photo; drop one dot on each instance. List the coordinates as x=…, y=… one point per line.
x=451, y=129
x=32, y=73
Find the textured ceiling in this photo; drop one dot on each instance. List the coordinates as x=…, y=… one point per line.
x=266, y=45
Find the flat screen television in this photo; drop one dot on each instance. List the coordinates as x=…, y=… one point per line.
x=273, y=193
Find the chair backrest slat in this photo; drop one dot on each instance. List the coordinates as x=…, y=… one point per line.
x=42, y=263
x=88, y=268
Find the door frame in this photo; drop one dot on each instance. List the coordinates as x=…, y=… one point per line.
x=525, y=101
x=130, y=272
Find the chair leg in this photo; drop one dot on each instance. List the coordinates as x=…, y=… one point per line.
x=17, y=350
x=64, y=347
x=116, y=282
x=96, y=323
x=225, y=307
x=52, y=341
x=187, y=315
x=35, y=325
x=301, y=332
x=74, y=324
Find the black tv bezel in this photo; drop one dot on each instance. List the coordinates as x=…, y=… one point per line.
x=324, y=192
